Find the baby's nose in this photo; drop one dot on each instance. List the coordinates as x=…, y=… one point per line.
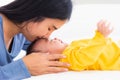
x=55, y=38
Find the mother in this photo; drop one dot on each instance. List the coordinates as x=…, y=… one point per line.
x=23, y=21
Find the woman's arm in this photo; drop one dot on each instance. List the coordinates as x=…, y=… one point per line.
x=14, y=71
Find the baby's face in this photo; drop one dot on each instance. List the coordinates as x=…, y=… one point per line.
x=56, y=46
x=51, y=46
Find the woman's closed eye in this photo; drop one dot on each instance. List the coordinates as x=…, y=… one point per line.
x=52, y=28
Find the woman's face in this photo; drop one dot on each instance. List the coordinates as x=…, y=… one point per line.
x=34, y=30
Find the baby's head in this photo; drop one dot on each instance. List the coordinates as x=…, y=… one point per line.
x=44, y=45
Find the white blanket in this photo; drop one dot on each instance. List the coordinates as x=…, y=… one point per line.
x=83, y=75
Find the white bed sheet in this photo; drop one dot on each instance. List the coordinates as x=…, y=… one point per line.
x=83, y=75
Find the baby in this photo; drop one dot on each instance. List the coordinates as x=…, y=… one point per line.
x=97, y=53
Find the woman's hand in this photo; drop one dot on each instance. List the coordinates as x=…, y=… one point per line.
x=104, y=27
x=43, y=63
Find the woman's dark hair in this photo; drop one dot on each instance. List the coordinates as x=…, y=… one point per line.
x=20, y=11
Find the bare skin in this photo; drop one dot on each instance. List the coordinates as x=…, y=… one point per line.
x=104, y=27
x=44, y=63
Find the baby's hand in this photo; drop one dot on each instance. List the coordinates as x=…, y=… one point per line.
x=104, y=27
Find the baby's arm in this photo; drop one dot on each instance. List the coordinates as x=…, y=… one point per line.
x=104, y=27
x=81, y=57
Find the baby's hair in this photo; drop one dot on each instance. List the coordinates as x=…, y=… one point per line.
x=30, y=47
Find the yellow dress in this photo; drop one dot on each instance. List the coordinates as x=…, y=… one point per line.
x=97, y=53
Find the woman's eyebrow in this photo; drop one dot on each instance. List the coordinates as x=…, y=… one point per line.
x=55, y=27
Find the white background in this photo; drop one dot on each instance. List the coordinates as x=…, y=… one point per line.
x=96, y=1
x=84, y=20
